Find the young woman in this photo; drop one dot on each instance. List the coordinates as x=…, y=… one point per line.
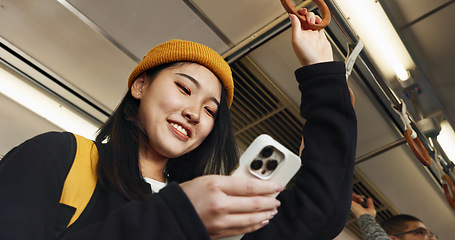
x=163, y=153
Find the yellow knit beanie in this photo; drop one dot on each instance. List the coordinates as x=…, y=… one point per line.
x=186, y=51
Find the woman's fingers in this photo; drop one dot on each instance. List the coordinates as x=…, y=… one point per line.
x=240, y=223
x=296, y=27
x=239, y=186
x=235, y=224
x=302, y=11
x=239, y=204
x=232, y=205
x=241, y=195
x=311, y=18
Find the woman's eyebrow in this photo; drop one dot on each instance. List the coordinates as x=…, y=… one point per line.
x=198, y=85
x=190, y=78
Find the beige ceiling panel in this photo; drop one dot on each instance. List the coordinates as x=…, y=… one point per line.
x=412, y=9
x=140, y=25
x=55, y=37
x=278, y=61
x=241, y=21
x=405, y=182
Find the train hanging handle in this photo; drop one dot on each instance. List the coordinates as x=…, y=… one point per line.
x=322, y=7
x=417, y=147
x=449, y=190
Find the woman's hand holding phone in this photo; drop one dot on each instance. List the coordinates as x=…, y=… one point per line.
x=232, y=205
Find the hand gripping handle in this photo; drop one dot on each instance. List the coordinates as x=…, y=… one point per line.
x=325, y=21
x=322, y=7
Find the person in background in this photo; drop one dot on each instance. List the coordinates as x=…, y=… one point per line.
x=165, y=150
x=402, y=226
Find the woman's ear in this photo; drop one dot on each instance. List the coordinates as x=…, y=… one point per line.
x=138, y=86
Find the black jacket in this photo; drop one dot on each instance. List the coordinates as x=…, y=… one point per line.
x=32, y=177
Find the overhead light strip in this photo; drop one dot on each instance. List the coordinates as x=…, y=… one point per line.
x=446, y=139
x=370, y=22
x=19, y=61
x=45, y=106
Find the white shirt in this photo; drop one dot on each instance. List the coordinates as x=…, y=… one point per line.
x=155, y=185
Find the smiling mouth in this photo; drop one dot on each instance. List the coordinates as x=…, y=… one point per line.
x=179, y=128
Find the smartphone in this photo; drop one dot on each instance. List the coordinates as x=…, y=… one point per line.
x=268, y=160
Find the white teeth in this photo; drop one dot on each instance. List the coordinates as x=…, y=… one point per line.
x=178, y=127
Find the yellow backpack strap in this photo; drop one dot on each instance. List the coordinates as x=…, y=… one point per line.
x=81, y=180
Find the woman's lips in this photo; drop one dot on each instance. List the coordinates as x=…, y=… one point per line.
x=179, y=130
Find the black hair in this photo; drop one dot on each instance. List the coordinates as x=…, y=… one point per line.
x=118, y=140
x=398, y=223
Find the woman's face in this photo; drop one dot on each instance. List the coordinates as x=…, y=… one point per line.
x=178, y=107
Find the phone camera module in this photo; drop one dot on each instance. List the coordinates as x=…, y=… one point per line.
x=267, y=152
x=271, y=164
x=256, y=164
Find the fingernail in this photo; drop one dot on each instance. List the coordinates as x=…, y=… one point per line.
x=278, y=188
x=273, y=213
x=278, y=203
x=292, y=16
x=265, y=222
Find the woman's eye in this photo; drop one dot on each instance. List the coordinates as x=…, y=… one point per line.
x=210, y=112
x=183, y=89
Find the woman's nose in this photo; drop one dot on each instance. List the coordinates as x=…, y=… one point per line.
x=191, y=114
